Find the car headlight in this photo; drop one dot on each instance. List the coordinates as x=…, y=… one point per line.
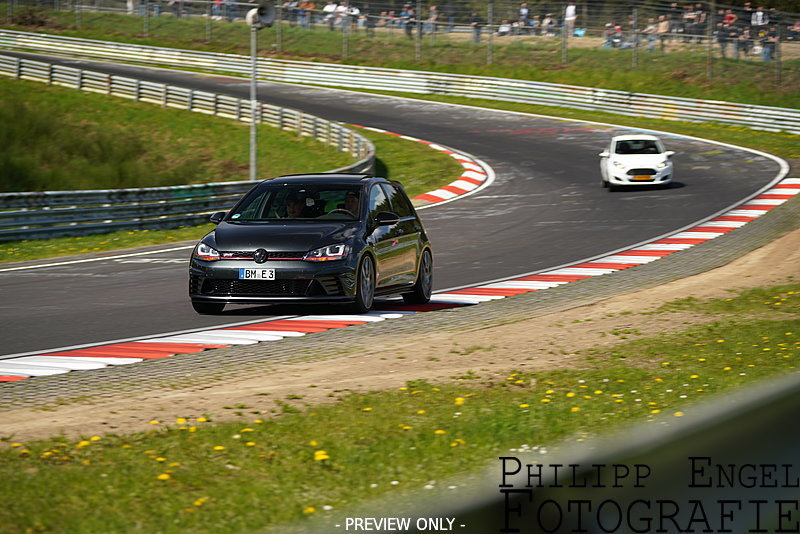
x=329, y=253
x=618, y=165
x=662, y=165
x=204, y=252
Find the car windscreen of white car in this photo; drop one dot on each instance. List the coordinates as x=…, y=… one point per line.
x=638, y=146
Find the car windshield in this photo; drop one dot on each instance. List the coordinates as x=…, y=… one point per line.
x=298, y=203
x=638, y=146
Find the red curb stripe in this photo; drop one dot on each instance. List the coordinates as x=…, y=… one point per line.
x=787, y=186
x=431, y=306
x=680, y=241
x=552, y=278
x=718, y=229
x=178, y=347
x=111, y=354
x=280, y=328
x=737, y=218
x=655, y=253
x=454, y=189
x=11, y=378
x=773, y=196
x=428, y=197
x=473, y=181
x=598, y=265
x=757, y=207
x=327, y=324
x=491, y=291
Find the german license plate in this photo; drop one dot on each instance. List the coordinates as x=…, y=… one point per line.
x=256, y=274
x=642, y=177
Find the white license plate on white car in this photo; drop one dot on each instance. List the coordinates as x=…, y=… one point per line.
x=256, y=274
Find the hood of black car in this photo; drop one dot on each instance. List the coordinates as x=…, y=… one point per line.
x=281, y=237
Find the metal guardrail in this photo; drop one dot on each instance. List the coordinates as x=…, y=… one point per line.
x=530, y=92
x=60, y=213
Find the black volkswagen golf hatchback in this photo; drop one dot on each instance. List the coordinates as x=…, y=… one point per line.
x=314, y=237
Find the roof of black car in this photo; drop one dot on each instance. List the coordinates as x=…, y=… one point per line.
x=322, y=178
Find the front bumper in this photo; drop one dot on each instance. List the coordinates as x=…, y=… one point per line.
x=218, y=281
x=634, y=178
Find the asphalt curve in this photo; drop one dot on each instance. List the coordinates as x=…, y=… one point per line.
x=545, y=209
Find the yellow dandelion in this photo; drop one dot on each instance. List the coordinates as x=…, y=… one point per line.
x=258, y=421
x=575, y=409
x=545, y=400
x=440, y=432
x=321, y=455
x=678, y=414
x=246, y=430
x=250, y=443
x=406, y=427
x=200, y=502
x=524, y=405
x=161, y=459
x=155, y=422
x=202, y=419
x=82, y=444
x=219, y=448
x=570, y=394
x=459, y=401
x=420, y=412
x=163, y=476
x=309, y=510
x=95, y=438
x=367, y=409
x=655, y=411
x=313, y=443
x=695, y=376
x=16, y=445
x=181, y=420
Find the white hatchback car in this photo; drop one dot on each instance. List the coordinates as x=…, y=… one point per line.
x=632, y=160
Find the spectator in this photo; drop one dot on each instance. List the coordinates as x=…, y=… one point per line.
x=548, y=25
x=410, y=22
x=662, y=30
x=675, y=16
x=769, y=40
x=730, y=17
x=759, y=20
x=524, y=17
x=570, y=16
x=504, y=28
x=793, y=32
x=430, y=22
x=536, y=25
x=743, y=42
x=329, y=14
x=477, y=25
x=651, y=31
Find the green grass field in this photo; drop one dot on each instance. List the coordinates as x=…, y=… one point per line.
x=285, y=461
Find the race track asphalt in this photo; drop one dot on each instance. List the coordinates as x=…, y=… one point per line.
x=545, y=209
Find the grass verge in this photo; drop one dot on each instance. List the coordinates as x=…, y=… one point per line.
x=56, y=138
x=286, y=461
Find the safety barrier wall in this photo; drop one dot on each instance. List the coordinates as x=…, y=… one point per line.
x=357, y=77
x=59, y=213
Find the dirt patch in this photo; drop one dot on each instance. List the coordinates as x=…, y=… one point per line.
x=547, y=342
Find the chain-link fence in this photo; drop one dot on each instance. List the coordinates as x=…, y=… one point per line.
x=723, y=40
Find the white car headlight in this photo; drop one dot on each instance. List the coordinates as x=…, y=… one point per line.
x=204, y=252
x=618, y=165
x=329, y=253
x=662, y=165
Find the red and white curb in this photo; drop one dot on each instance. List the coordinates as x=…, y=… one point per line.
x=475, y=176
x=646, y=253
x=127, y=352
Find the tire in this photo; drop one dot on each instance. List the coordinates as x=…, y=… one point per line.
x=208, y=308
x=365, y=285
x=421, y=292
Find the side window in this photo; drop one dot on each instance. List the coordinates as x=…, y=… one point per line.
x=378, y=201
x=398, y=201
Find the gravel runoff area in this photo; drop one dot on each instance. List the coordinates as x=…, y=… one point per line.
x=539, y=330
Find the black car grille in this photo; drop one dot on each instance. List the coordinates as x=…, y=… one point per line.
x=256, y=288
x=634, y=172
x=248, y=255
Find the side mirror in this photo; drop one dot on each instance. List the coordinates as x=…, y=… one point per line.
x=669, y=153
x=386, y=218
x=604, y=154
x=217, y=217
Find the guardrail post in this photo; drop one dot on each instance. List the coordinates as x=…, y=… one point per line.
x=137, y=90
x=109, y=83
x=18, y=69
